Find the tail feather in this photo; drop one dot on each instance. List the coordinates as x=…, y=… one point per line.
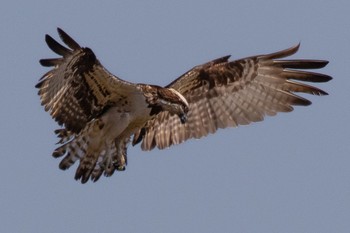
x=73, y=148
x=95, y=159
x=86, y=167
x=64, y=135
x=115, y=158
x=104, y=164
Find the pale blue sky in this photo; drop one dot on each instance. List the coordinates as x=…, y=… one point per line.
x=290, y=173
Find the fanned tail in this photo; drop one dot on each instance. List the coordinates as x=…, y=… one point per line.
x=93, y=163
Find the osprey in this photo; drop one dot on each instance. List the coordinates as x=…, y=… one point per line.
x=99, y=112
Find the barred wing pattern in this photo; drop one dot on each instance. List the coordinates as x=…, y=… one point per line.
x=79, y=94
x=78, y=88
x=99, y=112
x=225, y=93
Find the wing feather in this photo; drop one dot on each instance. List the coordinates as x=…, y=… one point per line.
x=57, y=47
x=78, y=88
x=224, y=93
x=68, y=40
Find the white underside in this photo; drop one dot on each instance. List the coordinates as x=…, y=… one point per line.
x=120, y=123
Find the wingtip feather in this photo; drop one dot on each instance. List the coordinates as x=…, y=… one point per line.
x=56, y=47
x=283, y=53
x=68, y=40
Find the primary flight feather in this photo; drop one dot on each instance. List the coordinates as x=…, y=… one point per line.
x=99, y=112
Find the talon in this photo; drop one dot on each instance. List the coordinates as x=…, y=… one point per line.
x=118, y=166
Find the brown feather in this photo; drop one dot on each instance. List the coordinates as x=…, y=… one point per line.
x=79, y=88
x=99, y=112
x=77, y=92
x=224, y=93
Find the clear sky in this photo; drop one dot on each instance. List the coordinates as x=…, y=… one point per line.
x=290, y=173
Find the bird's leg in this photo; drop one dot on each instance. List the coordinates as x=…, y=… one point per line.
x=120, y=158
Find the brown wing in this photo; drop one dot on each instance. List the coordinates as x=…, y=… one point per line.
x=225, y=93
x=78, y=88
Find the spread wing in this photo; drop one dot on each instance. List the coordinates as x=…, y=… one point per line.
x=78, y=88
x=225, y=93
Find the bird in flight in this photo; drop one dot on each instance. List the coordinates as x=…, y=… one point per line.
x=100, y=114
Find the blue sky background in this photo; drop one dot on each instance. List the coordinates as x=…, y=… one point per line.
x=290, y=173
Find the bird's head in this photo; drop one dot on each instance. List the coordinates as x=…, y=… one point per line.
x=172, y=101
